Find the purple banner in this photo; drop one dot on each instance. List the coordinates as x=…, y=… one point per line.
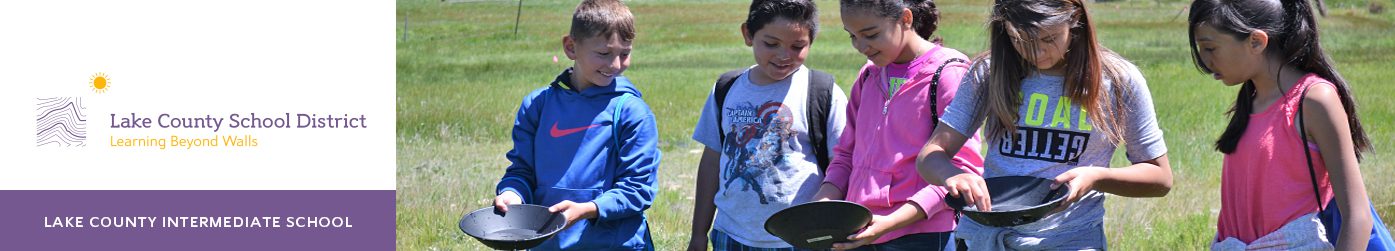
x=198, y=220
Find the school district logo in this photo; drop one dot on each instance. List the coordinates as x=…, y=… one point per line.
x=61, y=122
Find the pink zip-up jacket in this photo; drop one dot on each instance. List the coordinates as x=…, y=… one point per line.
x=874, y=161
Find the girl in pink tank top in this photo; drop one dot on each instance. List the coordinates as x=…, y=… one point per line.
x=1271, y=49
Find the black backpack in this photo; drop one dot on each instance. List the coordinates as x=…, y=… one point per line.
x=820, y=96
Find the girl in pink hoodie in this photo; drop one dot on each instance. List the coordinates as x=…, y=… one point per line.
x=894, y=106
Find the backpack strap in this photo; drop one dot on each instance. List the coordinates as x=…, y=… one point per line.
x=819, y=103
x=719, y=94
x=935, y=117
x=1312, y=173
x=935, y=92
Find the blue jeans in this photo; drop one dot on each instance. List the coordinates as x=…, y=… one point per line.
x=920, y=241
x=722, y=242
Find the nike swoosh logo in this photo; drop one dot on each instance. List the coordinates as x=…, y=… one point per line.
x=556, y=133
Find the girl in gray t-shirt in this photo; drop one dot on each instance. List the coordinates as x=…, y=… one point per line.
x=1054, y=104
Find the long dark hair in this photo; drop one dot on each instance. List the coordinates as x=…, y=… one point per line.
x=1087, y=64
x=1293, y=36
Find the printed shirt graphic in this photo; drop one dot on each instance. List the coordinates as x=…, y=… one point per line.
x=1054, y=134
x=898, y=74
x=766, y=161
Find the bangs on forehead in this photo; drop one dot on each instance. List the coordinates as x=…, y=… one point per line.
x=795, y=26
x=1196, y=28
x=1031, y=17
x=603, y=40
x=1032, y=33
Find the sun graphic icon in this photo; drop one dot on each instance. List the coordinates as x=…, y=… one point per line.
x=100, y=82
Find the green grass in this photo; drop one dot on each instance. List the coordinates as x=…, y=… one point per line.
x=461, y=72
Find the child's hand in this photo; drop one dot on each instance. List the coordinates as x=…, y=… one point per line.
x=874, y=230
x=573, y=211
x=1081, y=180
x=828, y=192
x=505, y=199
x=697, y=243
x=972, y=188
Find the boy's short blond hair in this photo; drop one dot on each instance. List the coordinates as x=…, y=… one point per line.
x=602, y=18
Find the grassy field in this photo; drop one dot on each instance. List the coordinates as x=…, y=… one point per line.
x=461, y=72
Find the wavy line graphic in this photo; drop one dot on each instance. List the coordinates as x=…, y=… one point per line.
x=61, y=121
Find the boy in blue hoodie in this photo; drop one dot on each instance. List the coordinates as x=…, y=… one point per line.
x=586, y=145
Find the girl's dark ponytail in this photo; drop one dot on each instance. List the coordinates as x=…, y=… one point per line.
x=927, y=18
x=1305, y=51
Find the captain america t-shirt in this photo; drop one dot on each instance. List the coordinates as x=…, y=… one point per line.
x=766, y=162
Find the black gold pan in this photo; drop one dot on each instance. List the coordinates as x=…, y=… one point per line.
x=523, y=227
x=1016, y=200
x=819, y=224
